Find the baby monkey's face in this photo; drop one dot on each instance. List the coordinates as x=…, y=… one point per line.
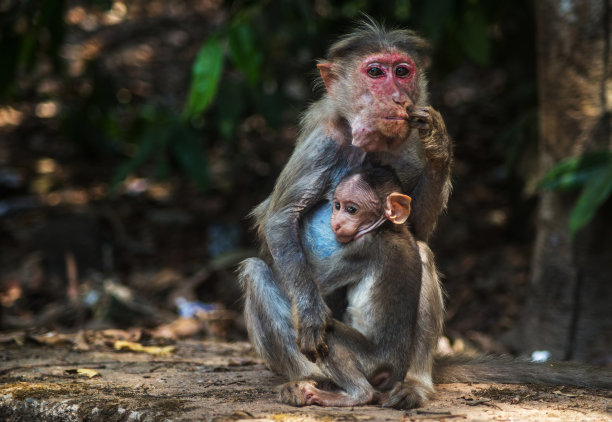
x=356, y=208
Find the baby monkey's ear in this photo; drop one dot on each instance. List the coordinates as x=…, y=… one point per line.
x=397, y=207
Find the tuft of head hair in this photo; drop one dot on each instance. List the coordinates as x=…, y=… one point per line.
x=382, y=179
x=371, y=37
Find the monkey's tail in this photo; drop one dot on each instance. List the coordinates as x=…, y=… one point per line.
x=508, y=370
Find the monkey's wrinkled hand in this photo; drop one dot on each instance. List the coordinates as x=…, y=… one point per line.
x=420, y=118
x=432, y=131
x=311, y=327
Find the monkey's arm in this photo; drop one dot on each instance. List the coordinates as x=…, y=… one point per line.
x=303, y=183
x=433, y=188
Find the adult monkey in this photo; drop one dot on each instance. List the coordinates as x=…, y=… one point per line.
x=376, y=97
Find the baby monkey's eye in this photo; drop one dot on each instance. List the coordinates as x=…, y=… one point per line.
x=351, y=209
x=337, y=205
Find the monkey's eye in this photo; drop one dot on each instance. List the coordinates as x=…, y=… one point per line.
x=402, y=71
x=375, y=72
x=351, y=209
x=337, y=205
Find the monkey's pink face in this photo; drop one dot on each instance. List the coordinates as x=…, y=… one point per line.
x=389, y=90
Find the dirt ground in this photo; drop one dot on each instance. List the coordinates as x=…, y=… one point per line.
x=208, y=380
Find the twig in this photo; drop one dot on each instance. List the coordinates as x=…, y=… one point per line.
x=486, y=402
x=431, y=412
x=433, y=416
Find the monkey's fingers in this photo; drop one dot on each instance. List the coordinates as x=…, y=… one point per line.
x=319, y=352
x=311, y=344
x=421, y=119
x=322, y=350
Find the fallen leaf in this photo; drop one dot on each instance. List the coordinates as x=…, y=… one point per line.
x=53, y=339
x=179, y=328
x=560, y=393
x=86, y=372
x=116, y=334
x=80, y=342
x=137, y=347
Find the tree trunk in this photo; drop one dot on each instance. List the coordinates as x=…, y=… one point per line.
x=569, y=311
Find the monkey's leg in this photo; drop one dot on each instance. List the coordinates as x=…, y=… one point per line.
x=418, y=386
x=345, y=368
x=269, y=323
x=267, y=312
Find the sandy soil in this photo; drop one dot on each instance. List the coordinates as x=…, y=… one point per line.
x=225, y=381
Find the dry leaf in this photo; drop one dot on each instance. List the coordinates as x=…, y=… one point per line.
x=179, y=328
x=560, y=393
x=86, y=372
x=137, y=347
x=53, y=339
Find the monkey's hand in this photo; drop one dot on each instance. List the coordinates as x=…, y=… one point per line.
x=432, y=131
x=311, y=325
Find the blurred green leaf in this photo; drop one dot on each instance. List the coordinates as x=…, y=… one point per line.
x=593, y=173
x=9, y=53
x=575, y=172
x=433, y=16
x=206, y=74
x=230, y=106
x=597, y=190
x=152, y=140
x=52, y=22
x=402, y=9
x=244, y=53
x=188, y=150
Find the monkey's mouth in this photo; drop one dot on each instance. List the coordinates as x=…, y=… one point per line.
x=344, y=238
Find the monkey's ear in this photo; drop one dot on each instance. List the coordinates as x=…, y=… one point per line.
x=397, y=208
x=327, y=74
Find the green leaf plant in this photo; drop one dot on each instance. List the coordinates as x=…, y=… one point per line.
x=592, y=174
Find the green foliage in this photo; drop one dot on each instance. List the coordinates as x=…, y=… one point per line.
x=592, y=173
x=162, y=141
x=275, y=29
x=248, y=66
x=206, y=74
x=473, y=28
x=236, y=42
x=29, y=31
x=243, y=51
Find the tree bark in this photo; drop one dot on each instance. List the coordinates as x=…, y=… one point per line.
x=569, y=311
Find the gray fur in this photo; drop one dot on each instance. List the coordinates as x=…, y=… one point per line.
x=391, y=324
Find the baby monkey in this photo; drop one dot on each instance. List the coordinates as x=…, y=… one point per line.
x=379, y=352
x=364, y=200
x=379, y=279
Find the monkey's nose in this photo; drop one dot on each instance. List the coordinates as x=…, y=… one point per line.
x=402, y=99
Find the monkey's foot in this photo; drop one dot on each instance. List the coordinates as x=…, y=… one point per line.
x=405, y=395
x=306, y=393
x=298, y=393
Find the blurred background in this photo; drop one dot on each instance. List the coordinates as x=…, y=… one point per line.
x=136, y=136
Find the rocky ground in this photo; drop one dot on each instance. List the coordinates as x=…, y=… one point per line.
x=207, y=380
